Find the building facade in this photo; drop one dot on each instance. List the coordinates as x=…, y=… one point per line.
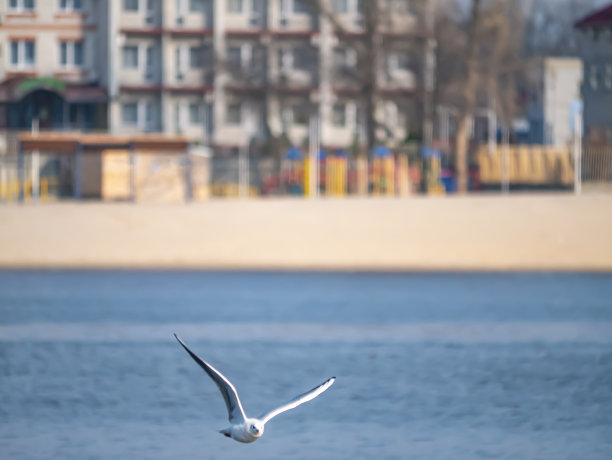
x=596, y=53
x=49, y=66
x=221, y=72
x=550, y=98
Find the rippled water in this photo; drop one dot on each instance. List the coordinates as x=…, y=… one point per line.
x=428, y=366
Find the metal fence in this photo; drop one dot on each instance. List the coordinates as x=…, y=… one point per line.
x=394, y=175
x=47, y=177
x=114, y=175
x=597, y=164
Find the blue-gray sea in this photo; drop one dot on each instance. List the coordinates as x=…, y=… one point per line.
x=428, y=366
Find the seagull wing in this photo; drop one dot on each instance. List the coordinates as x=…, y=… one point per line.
x=301, y=399
x=230, y=396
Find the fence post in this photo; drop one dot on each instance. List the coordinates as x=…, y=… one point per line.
x=35, y=165
x=76, y=174
x=21, y=172
x=188, y=178
x=132, y=162
x=577, y=153
x=506, y=161
x=492, y=128
x=3, y=179
x=243, y=172
x=313, y=153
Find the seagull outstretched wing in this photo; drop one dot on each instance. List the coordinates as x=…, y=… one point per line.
x=230, y=396
x=301, y=399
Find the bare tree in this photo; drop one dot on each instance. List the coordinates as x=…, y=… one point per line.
x=549, y=29
x=469, y=97
x=370, y=46
x=478, y=58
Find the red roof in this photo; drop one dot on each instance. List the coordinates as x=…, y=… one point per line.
x=602, y=17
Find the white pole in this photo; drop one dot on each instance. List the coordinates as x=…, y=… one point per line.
x=242, y=174
x=492, y=131
x=577, y=153
x=35, y=164
x=3, y=178
x=314, y=146
x=506, y=161
x=247, y=170
x=317, y=149
x=312, y=158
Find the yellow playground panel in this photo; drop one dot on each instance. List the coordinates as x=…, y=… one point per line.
x=527, y=164
x=387, y=176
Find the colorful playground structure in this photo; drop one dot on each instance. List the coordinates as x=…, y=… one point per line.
x=53, y=166
x=337, y=175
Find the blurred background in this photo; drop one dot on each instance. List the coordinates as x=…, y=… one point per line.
x=302, y=97
x=411, y=195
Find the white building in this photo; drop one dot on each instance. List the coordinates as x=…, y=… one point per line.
x=555, y=90
x=221, y=72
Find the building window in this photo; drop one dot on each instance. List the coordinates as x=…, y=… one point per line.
x=70, y=5
x=130, y=5
x=402, y=6
x=149, y=115
x=129, y=113
x=195, y=114
x=301, y=58
x=339, y=115
x=15, y=53
x=150, y=12
x=300, y=7
x=196, y=6
x=234, y=114
x=130, y=57
x=196, y=57
x=71, y=54
x=593, y=77
x=234, y=6
x=344, y=57
x=181, y=11
x=21, y=5
x=340, y=6
x=149, y=62
x=180, y=61
x=300, y=114
x=23, y=54
x=234, y=56
x=399, y=61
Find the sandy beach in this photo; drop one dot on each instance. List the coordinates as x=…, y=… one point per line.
x=558, y=232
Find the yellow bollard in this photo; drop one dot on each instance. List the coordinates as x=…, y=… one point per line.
x=389, y=165
x=15, y=187
x=403, y=178
x=341, y=176
x=329, y=175
x=44, y=189
x=27, y=190
x=434, y=185
x=307, y=191
x=376, y=176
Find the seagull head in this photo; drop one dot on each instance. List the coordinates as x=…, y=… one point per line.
x=256, y=428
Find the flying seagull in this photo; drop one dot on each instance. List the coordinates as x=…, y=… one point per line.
x=243, y=428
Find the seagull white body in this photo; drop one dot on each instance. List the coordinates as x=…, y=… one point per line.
x=243, y=428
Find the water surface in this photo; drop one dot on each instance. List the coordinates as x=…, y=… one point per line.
x=433, y=366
